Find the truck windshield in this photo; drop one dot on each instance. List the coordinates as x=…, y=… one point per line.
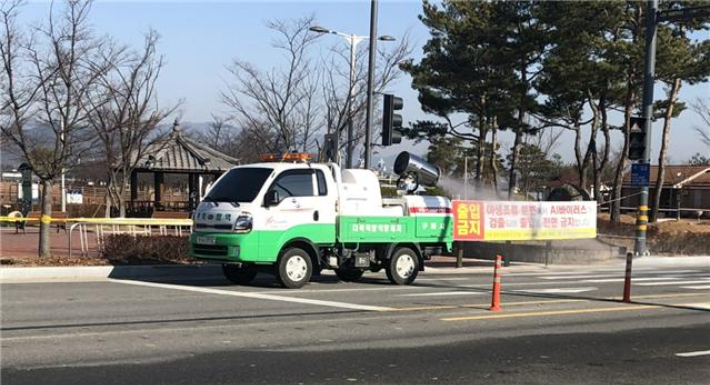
x=239, y=185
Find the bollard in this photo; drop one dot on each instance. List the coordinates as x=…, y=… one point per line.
x=627, y=279
x=495, y=301
x=459, y=255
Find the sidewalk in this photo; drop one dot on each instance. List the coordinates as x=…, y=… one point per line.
x=24, y=246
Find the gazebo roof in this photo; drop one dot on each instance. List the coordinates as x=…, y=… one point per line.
x=179, y=153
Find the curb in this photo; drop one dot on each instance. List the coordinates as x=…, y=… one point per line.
x=19, y=274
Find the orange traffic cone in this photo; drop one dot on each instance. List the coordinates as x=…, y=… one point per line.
x=495, y=301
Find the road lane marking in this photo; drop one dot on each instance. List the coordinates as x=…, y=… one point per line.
x=632, y=279
x=549, y=313
x=704, y=287
x=706, y=280
x=694, y=354
x=558, y=291
x=484, y=305
x=442, y=279
x=441, y=293
x=544, y=302
x=252, y=295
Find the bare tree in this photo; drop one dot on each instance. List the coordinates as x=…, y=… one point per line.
x=276, y=98
x=247, y=145
x=218, y=131
x=345, y=100
x=702, y=109
x=295, y=103
x=124, y=111
x=49, y=77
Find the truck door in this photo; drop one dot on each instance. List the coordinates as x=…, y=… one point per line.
x=302, y=211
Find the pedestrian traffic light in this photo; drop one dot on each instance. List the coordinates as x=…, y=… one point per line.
x=391, y=122
x=330, y=147
x=637, y=139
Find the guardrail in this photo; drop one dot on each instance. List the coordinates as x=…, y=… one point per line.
x=103, y=227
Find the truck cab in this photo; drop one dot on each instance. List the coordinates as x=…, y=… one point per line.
x=294, y=219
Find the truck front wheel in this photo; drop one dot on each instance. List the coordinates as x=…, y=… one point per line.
x=403, y=267
x=294, y=268
x=241, y=275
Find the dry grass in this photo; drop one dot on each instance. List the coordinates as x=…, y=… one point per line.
x=684, y=237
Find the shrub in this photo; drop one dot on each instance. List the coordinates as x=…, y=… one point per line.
x=136, y=250
x=687, y=243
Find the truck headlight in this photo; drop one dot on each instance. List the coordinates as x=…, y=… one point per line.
x=243, y=223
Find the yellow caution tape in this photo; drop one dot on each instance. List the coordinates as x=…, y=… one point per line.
x=104, y=221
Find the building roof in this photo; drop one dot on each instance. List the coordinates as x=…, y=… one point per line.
x=678, y=176
x=179, y=153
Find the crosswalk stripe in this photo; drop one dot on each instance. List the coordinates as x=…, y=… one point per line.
x=706, y=280
x=558, y=291
x=694, y=354
x=696, y=287
x=441, y=294
x=632, y=279
x=618, y=274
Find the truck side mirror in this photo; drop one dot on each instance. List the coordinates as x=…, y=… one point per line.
x=272, y=198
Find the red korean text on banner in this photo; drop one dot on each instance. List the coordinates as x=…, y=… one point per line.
x=469, y=219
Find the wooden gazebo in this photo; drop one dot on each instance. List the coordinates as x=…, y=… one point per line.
x=177, y=154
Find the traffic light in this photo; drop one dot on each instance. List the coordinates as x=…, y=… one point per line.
x=637, y=139
x=391, y=122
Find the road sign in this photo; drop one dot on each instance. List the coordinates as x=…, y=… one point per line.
x=640, y=174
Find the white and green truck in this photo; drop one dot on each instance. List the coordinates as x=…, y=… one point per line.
x=294, y=219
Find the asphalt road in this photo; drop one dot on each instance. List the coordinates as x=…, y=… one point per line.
x=558, y=325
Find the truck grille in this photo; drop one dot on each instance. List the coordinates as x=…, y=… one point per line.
x=210, y=249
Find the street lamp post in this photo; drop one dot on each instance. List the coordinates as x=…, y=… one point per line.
x=63, y=178
x=353, y=40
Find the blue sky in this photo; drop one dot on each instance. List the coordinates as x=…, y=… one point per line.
x=200, y=38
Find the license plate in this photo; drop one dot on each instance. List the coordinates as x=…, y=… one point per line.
x=205, y=240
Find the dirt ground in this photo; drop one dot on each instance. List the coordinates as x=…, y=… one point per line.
x=628, y=222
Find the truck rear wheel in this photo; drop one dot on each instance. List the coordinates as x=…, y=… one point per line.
x=403, y=267
x=294, y=268
x=349, y=274
x=241, y=275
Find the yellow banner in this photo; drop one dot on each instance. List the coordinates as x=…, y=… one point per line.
x=522, y=221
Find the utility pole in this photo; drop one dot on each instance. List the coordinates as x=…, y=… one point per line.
x=370, y=82
x=653, y=17
x=649, y=74
x=351, y=91
x=63, y=186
